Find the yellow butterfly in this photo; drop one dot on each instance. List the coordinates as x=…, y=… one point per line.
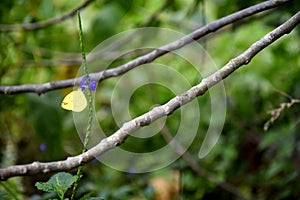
x=74, y=101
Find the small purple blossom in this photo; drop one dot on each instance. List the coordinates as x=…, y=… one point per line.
x=132, y=170
x=43, y=147
x=92, y=86
x=130, y=174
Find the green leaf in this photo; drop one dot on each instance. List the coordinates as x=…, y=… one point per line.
x=59, y=183
x=46, y=187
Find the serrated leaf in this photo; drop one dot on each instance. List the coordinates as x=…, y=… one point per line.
x=45, y=186
x=58, y=183
x=62, y=180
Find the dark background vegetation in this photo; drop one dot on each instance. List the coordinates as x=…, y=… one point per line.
x=260, y=164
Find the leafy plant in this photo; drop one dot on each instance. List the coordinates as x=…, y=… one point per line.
x=58, y=183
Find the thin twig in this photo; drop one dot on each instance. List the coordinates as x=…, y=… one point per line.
x=157, y=112
x=43, y=24
x=275, y=113
x=149, y=57
x=70, y=59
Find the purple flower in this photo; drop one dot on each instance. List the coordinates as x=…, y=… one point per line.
x=92, y=86
x=130, y=174
x=132, y=170
x=43, y=147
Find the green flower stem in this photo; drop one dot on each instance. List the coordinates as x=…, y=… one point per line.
x=89, y=95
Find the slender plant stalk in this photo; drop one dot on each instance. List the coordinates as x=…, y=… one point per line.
x=89, y=95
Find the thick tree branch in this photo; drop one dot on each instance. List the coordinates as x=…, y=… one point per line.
x=157, y=112
x=149, y=57
x=43, y=24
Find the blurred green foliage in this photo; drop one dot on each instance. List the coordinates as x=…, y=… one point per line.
x=260, y=164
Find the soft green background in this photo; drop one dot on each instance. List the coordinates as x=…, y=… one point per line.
x=261, y=164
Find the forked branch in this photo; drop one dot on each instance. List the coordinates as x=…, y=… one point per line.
x=149, y=57
x=157, y=112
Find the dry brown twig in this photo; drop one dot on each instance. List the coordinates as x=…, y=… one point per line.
x=275, y=113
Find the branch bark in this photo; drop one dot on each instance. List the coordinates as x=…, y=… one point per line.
x=157, y=112
x=149, y=57
x=43, y=24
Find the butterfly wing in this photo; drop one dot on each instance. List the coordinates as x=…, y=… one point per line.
x=74, y=101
